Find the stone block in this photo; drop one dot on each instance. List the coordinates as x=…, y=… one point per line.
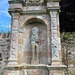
x=35, y=62
x=56, y=62
x=19, y=5
x=12, y=72
x=52, y=4
x=56, y=73
x=35, y=71
x=21, y=41
x=20, y=47
x=43, y=60
x=20, y=35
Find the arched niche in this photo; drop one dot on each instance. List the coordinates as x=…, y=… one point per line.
x=43, y=44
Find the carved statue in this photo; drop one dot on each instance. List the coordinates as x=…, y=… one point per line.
x=34, y=43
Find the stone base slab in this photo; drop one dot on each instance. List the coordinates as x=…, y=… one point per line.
x=56, y=72
x=13, y=61
x=34, y=70
x=56, y=62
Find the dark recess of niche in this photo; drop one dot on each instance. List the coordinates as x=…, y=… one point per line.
x=0, y=56
x=67, y=16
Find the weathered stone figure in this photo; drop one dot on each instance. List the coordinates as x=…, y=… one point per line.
x=34, y=43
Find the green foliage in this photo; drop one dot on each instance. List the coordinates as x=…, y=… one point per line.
x=68, y=36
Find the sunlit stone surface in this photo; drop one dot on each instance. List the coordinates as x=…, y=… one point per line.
x=35, y=38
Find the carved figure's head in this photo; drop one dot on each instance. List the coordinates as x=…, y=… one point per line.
x=35, y=31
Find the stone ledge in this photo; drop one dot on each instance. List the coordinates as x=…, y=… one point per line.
x=27, y=12
x=33, y=4
x=11, y=10
x=59, y=67
x=27, y=4
x=54, y=0
x=34, y=12
x=11, y=1
x=53, y=8
x=40, y=66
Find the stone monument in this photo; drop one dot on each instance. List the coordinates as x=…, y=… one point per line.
x=35, y=38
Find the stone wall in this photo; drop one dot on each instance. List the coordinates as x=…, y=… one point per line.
x=4, y=51
x=68, y=52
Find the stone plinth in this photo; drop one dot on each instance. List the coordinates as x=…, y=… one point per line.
x=56, y=62
x=57, y=70
x=34, y=70
x=34, y=62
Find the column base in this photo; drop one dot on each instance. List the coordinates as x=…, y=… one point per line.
x=57, y=70
x=56, y=62
x=13, y=61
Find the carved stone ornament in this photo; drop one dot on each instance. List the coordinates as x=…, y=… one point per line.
x=34, y=43
x=13, y=37
x=13, y=50
x=55, y=53
x=35, y=35
x=13, y=53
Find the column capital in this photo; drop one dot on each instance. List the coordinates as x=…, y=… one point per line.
x=54, y=10
x=53, y=6
x=15, y=21
x=53, y=14
x=15, y=15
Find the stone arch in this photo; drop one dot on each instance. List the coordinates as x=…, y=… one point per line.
x=42, y=19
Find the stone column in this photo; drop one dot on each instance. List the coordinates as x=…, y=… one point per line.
x=55, y=38
x=14, y=39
